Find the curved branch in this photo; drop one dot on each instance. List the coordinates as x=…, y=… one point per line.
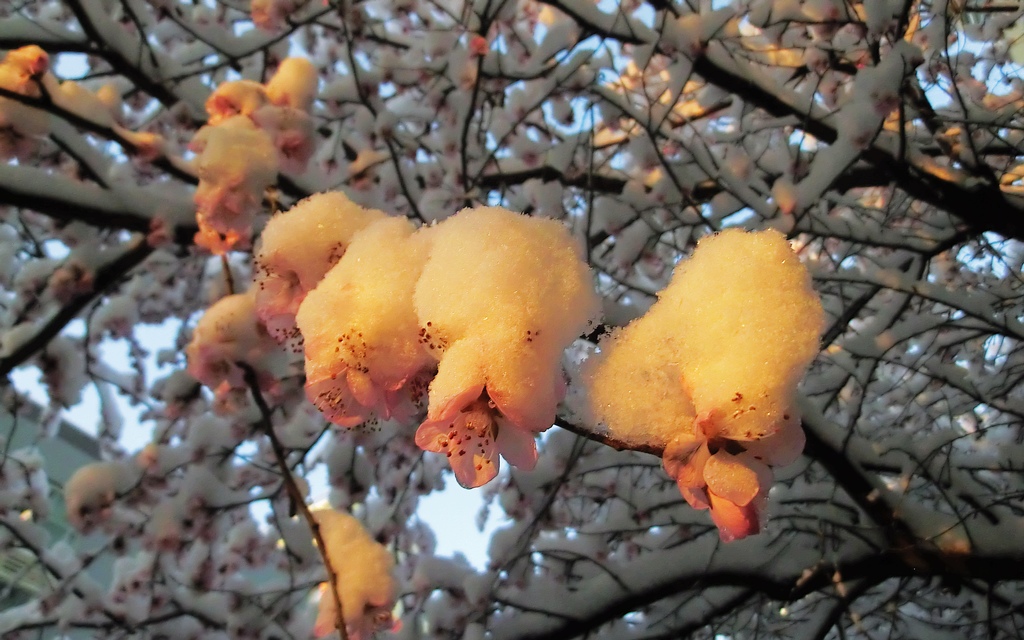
x=106, y=276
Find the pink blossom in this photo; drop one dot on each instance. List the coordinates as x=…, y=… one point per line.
x=228, y=333
x=472, y=427
x=363, y=352
x=723, y=471
x=236, y=162
x=294, y=84
x=238, y=97
x=478, y=410
x=292, y=133
x=269, y=15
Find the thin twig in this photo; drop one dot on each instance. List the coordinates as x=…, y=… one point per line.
x=294, y=492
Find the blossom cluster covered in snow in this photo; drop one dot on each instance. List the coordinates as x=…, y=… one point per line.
x=711, y=373
x=254, y=131
x=21, y=71
x=403, y=330
x=475, y=312
x=382, y=321
x=363, y=567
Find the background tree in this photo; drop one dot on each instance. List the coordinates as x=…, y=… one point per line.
x=884, y=138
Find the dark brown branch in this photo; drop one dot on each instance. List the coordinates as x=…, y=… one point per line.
x=17, y=193
x=106, y=276
x=298, y=499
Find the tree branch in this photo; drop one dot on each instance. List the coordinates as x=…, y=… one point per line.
x=299, y=500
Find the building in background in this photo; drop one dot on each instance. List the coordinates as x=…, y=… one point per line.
x=21, y=575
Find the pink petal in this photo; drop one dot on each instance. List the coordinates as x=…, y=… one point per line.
x=697, y=498
x=517, y=446
x=428, y=435
x=398, y=406
x=333, y=398
x=474, y=469
x=782, y=447
x=363, y=388
x=733, y=521
x=684, y=460
x=738, y=480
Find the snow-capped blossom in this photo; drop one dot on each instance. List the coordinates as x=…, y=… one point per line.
x=524, y=295
x=292, y=133
x=30, y=59
x=229, y=332
x=294, y=84
x=145, y=145
x=269, y=15
x=362, y=341
x=711, y=371
x=236, y=162
x=79, y=100
x=365, y=585
x=90, y=492
x=118, y=315
x=63, y=366
x=234, y=98
x=747, y=321
x=20, y=72
x=296, y=249
x=69, y=281
x=731, y=477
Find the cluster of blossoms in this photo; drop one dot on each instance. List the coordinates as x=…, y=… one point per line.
x=475, y=312
x=25, y=71
x=254, y=131
x=227, y=334
x=711, y=372
x=21, y=72
x=381, y=321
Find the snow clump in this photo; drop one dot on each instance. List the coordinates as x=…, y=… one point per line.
x=296, y=249
x=20, y=125
x=362, y=344
x=365, y=583
x=229, y=332
x=711, y=371
x=501, y=297
x=90, y=492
